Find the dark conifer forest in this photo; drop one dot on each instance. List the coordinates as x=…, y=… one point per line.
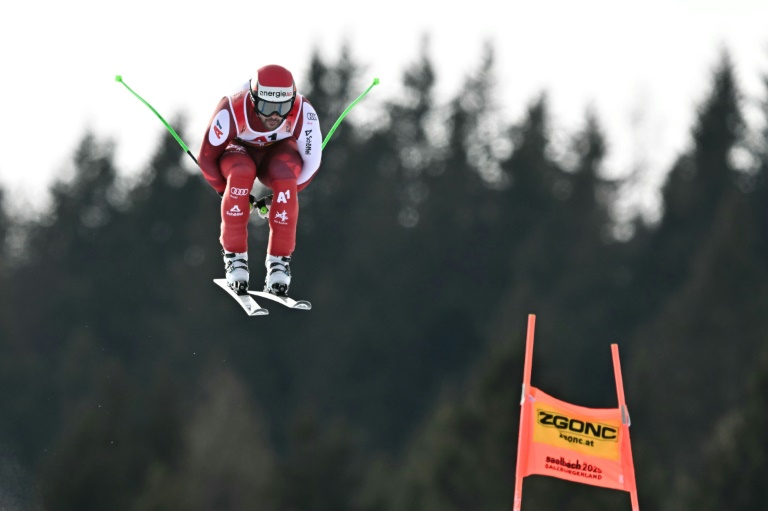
x=129, y=381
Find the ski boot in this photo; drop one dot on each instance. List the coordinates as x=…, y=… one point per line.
x=236, y=268
x=278, y=275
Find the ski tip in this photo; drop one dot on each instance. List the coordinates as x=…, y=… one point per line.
x=282, y=300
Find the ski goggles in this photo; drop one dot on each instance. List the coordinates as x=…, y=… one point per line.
x=267, y=108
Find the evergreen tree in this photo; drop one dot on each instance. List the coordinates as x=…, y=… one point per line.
x=692, y=193
x=756, y=182
x=526, y=207
x=573, y=260
x=696, y=367
x=224, y=460
x=462, y=213
x=108, y=440
x=735, y=470
x=357, y=241
x=687, y=365
x=323, y=469
x=7, y=333
x=66, y=264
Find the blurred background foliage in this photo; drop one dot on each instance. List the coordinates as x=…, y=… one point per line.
x=128, y=381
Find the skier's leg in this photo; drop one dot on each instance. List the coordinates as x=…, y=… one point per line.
x=279, y=171
x=240, y=171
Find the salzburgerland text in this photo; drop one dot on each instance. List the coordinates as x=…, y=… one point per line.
x=587, y=471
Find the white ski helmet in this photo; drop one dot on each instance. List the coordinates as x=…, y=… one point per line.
x=273, y=90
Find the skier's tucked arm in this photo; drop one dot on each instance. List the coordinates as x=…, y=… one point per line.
x=221, y=130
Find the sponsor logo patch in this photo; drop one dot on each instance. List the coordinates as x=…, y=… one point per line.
x=235, y=211
x=577, y=433
x=282, y=217
x=219, y=132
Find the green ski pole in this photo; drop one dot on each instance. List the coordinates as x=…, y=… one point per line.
x=346, y=111
x=119, y=78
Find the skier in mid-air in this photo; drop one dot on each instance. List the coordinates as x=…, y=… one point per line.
x=269, y=132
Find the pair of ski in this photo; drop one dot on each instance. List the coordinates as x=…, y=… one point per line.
x=252, y=307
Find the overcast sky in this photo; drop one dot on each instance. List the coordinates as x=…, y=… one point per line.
x=644, y=66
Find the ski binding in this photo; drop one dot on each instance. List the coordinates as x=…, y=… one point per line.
x=246, y=301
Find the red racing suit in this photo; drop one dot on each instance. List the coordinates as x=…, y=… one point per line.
x=238, y=149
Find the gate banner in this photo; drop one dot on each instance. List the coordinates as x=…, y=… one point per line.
x=583, y=445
